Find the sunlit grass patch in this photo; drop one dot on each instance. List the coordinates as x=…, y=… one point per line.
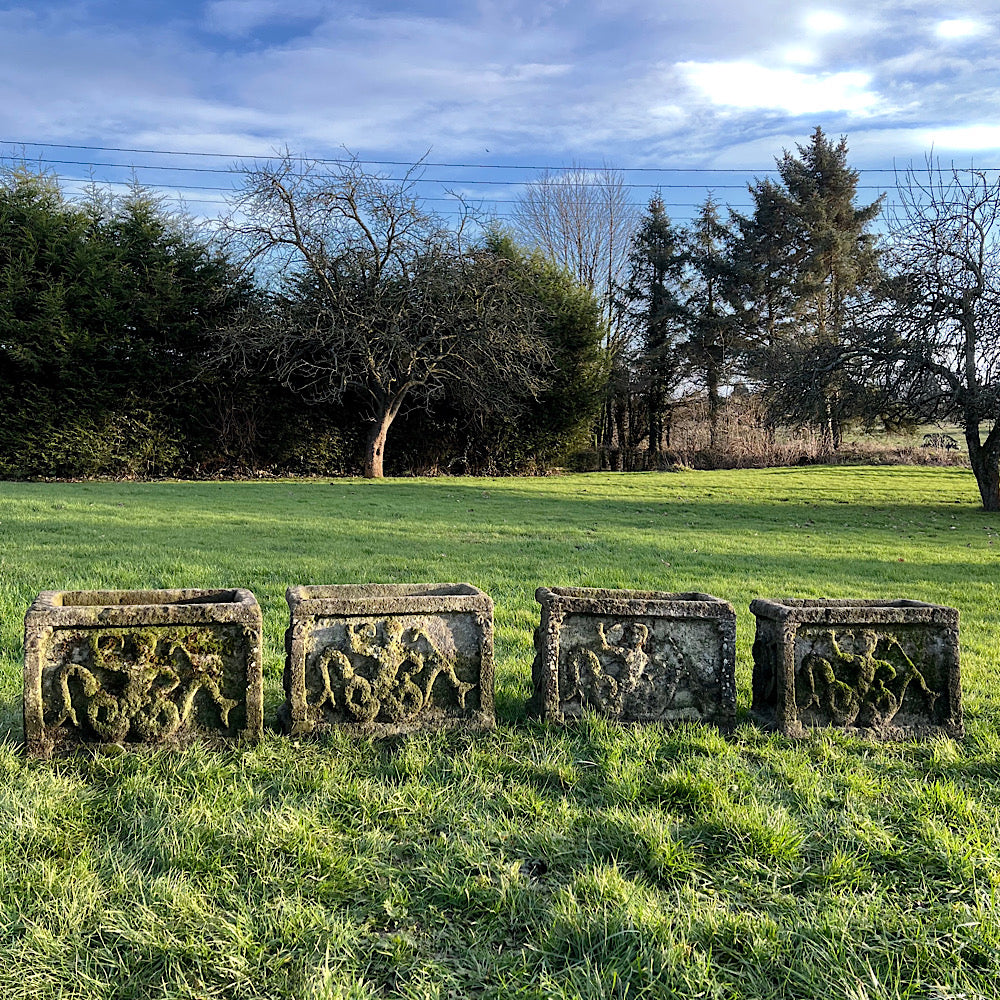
x=535, y=861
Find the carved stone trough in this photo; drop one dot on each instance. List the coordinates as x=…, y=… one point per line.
x=383, y=659
x=885, y=669
x=636, y=656
x=141, y=666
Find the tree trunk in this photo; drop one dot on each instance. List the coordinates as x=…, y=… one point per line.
x=655, y=428
x=985, y=462
x=375, y=445
x=827, y=434
x=712, y=384
x=607, y=430
x=621, y=426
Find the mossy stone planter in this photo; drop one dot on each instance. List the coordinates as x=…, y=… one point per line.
x=141, y=666
x=389, y=658
x=635, y=656
x=884, y=669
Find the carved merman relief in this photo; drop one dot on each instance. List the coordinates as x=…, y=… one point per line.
x=147, y=685
x=394, y=669
x=866, y=677
x=638, y=668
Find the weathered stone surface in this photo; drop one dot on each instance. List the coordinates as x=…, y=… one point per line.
x=150, y=666
x=387, y=659
x=884, y=669
x=637, y=656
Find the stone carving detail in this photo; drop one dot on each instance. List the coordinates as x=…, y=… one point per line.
x=388, y=658
x=138, y=685
x=634, y=655
x=141, y=666
x=857, y=677
x=391, y=677
x=628, y=669
x=888, y=669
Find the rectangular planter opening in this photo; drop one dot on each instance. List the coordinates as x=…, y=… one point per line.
x=366, y=592
x=141, y=598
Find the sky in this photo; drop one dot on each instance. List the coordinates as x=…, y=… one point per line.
x=688, y=96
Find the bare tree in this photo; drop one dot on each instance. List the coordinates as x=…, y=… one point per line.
x=583, y=219
x=374, y=297
x=935, y=340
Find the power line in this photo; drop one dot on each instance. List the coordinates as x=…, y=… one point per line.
x=450, y=201
x=129, y=166
x=428, y=163
x=232, y=190
x=498, y=207
x=386, y=163
x=457, y=181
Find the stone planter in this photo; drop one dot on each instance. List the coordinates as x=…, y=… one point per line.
x=389, y=658
x=636, y=656
x=141, y=666
x=885, y=669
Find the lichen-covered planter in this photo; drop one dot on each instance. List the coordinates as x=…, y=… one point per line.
x=885, y=669
x=636, y=656
x=141, y=666
x=389, y=658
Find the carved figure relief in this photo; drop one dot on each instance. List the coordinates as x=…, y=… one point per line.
x=387, y=673
x=858, y=677
x=136, y=685
x=628, y=669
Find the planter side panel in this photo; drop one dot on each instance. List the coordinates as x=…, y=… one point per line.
x=894, y=681
x=143, y=684
x=772, y=691
x=394, y=673
x=636, y=668
x=887, y=680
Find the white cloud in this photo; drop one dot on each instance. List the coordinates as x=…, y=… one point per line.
x=667, y=113
x=824, y=22
x=959, y=28
x=747, y=85
x=967, y=138
x=237, y=18
x=800, y=55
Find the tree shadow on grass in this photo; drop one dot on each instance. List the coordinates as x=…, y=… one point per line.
x=11, y=721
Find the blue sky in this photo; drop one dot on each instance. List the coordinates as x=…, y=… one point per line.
x=634, y=83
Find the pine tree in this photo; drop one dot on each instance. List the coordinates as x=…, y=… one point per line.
x=805, y=253
x=708, y=313
x=651, y=304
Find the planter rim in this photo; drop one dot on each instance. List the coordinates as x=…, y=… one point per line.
x=845, y=610
x=110, y=608
x=385, y=598
x=594, y=597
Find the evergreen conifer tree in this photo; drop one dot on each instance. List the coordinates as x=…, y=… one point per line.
x=804, y=254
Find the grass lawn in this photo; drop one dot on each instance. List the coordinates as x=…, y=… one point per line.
x=673, y=862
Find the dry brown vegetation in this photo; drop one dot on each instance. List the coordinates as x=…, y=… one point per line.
x=746, y=440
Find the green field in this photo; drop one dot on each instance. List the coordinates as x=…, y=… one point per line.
x=677, y=863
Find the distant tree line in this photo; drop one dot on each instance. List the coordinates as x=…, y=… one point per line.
x=797, y=303
x=337, y=325
x=335, y=309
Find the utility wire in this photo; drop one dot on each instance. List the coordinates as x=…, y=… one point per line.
x=456, y=181
x=385, y=163
x=225, y=190
x=427, y=163
x=173, y=191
